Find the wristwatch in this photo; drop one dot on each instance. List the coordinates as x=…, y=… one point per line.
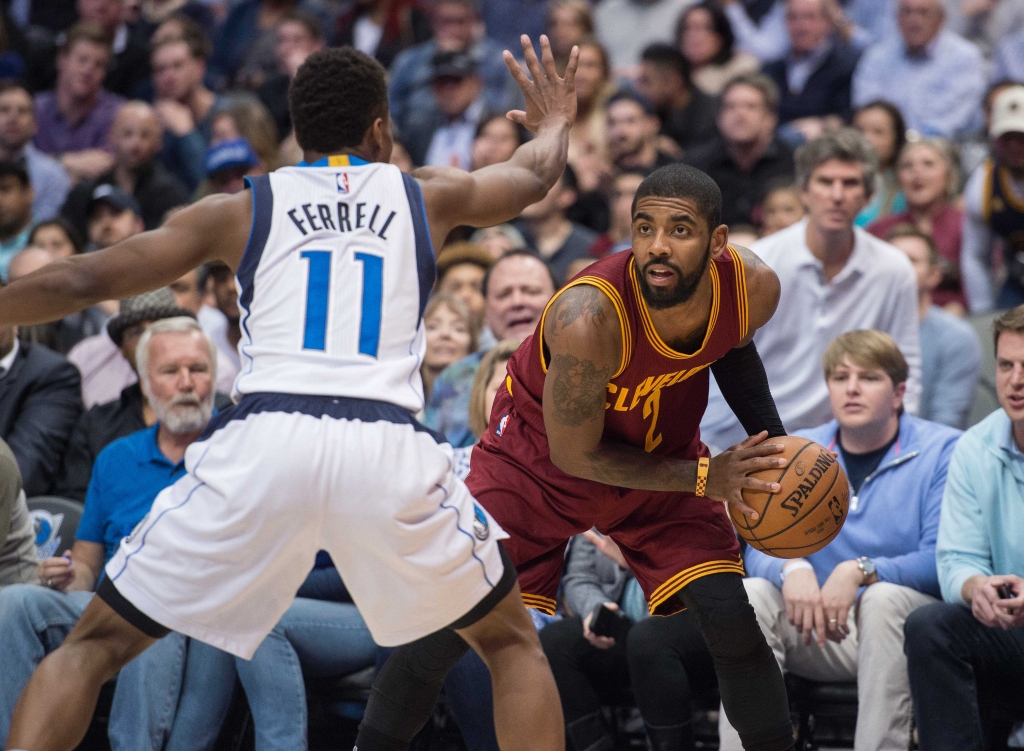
x=866, y=566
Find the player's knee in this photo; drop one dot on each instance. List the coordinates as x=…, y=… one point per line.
x=726, y=619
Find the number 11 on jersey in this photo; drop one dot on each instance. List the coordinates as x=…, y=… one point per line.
x=318, y=294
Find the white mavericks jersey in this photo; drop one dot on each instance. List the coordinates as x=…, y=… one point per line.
x=333, y=283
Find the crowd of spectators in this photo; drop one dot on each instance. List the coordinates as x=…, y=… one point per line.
x=871, y=152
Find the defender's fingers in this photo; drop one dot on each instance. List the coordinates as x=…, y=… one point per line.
x=517, y=116
x=515, y=69
x=761, y=462
x=530, y=55
x=547, y=58
x=751, y=441
x=570, y=68
x=761, y=449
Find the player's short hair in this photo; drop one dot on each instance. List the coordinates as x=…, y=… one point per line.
x=906, y=229
x=176, y=325
x=1012, y=321
x=867, y=348
x=86, y=31
x=684, y=181
x=335, y=98
x=512, y=254
x=479, y=412
x=846, y=145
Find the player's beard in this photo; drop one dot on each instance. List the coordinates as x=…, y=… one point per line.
x=686, y=284
x=186, y=413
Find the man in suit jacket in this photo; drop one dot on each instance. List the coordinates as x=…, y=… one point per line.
x=40, y=399
x=815, y=75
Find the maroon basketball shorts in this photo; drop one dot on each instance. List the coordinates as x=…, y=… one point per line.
x=668, y=539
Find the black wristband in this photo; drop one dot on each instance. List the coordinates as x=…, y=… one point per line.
x=744, y=384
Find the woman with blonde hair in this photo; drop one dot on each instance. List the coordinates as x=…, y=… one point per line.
x=451, y=335
x=929, y=177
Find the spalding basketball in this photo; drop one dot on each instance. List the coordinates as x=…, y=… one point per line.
x=809, y=510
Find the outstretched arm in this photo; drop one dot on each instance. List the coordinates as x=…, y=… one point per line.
x=582, y=334
x=215, y=228
x=498, y=193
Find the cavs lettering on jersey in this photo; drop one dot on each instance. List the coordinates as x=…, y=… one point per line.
x=333, y=283
x=655, y=401
x=657, y=396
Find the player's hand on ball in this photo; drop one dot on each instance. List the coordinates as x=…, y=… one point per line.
x=804, y=607
x=548, y=97
x=727, y=472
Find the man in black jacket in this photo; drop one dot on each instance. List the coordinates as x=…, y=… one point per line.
x=40, y=399
x=815, y=76
x=137, y=138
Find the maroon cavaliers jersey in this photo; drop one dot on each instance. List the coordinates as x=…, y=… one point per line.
x=657, y=397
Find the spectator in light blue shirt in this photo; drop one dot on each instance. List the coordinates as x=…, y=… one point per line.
x=936, y=78
x=967, y=653
x=846, y=604
x=950, y=351
x=1008, y=60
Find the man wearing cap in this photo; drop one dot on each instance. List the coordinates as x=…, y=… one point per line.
x=104, y=423
x=461, y=268
x=16, y=197
x=112, y=216
x=39, y=403
x=443, y=136
x=136, y=138
x=228, y=163
x=994, y=209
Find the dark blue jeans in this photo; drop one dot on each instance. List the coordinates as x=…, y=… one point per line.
x=960, y=670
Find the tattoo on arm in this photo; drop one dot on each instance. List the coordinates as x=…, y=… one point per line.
x=581, y=299
x=579, y=389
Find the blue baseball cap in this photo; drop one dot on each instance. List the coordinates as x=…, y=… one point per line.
x=234, y=153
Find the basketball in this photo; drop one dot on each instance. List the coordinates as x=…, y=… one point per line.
x=807, y=512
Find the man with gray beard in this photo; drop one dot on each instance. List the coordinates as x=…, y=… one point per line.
x=177, y=368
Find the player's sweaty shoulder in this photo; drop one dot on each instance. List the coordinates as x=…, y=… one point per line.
x=583, y=317
x=763, y=288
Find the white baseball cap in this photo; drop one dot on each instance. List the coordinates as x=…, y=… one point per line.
x=1008, y=112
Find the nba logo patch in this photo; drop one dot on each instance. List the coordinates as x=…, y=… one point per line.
x=341, y=180
x=481, y=527
x=501, y=424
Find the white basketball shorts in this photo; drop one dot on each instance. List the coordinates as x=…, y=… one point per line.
x=279, y=477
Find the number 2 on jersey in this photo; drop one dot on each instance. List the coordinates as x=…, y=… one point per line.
x=318, y=293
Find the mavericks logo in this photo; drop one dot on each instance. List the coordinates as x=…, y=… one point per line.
x=481, y=527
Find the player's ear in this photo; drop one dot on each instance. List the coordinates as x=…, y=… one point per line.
x=719, y=239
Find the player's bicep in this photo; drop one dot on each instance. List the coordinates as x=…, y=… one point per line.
x=583, y=340
x=489, y=196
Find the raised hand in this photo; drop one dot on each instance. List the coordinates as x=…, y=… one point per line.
x=550, y=100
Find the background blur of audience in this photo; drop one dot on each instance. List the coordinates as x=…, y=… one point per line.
x=115, y=114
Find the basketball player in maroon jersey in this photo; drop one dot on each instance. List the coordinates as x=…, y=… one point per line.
x=598, y=426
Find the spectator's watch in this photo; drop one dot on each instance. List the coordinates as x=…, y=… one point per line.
x=866, y=566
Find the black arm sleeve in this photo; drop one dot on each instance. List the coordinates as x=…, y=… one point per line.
x=744, y=384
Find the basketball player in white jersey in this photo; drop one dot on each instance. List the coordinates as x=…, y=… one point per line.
x=334, y=262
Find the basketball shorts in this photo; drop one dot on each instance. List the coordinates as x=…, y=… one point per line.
x=668, y=539
x=279, y=477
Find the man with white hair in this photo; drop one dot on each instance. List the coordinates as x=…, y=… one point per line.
x=177, y=369
x=936, y=78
